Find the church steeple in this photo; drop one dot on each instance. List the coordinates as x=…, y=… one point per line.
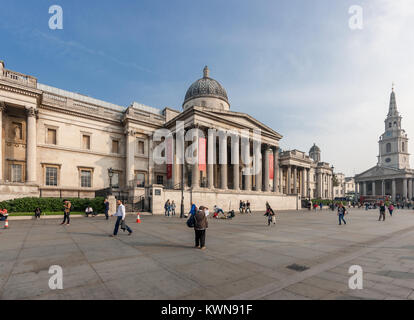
x=392, y=112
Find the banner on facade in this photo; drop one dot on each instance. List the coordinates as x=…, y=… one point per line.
x=202, y=152
x=169, y=152
x=271, y=168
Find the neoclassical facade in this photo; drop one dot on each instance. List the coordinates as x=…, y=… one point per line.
x=392, y=176
x=57, y=143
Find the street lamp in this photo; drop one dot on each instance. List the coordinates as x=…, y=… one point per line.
x=110, y=175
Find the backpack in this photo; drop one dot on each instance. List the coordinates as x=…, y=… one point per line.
x=191, y=221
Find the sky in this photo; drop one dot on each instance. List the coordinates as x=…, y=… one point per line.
x=294, y=65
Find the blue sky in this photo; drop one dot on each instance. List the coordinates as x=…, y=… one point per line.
x=294, y=65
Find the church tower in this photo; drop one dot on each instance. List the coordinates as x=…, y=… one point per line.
x=393, y=143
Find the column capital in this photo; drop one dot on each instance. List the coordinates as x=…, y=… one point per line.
x=31, y=111
x=2, y=106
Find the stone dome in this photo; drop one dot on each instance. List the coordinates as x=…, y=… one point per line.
x=314, y=148
x=207, y=88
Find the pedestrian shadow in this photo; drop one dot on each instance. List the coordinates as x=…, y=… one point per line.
x=103, y=235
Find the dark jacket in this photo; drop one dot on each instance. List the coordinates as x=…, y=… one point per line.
x=201, y=222
x=106, y=206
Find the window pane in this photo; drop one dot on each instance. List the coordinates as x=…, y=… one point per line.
x=115, y=180
x=86, y=179
x=16, y=173
x=160, y=179
x=51, y=176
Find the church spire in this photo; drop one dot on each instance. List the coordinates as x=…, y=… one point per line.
x=393, y=104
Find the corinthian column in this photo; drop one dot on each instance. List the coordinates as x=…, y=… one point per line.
x=31, y=144
x=266, y=169
x=130, y=156
x=236, y=160
x=223, y=160
x=275, y=170
x=2, y=108
x=211, y=145
x=258, y=165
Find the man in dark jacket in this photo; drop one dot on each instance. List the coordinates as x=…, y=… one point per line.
x=106, y=202
x=200, y=226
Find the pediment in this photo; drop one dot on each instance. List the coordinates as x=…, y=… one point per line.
x=378, y=171
x=241, y=121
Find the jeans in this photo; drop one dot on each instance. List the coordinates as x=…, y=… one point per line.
x=106, y=214
x=117, y=223
x=200, y=238
x=66, y=215
x=382, y=214
x=341, y=218
x=391, y=212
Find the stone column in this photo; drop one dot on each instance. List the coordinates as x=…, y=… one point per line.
x=195, y=170
x=288, y=180
x=308, y=192
x=373, y=188
x=235, y=153
x=275, y=170
x=247, y=177
x=364, y=189
x=223, y=160
x=2, y=109
x=302, y=182
x=383, y=188
x=150, y=158
x=281, y=177
x=410, y=189
x=130, y=154
x=211, y=145
x=394, y=190
x=266, y=169
x=404, y=189
x=258, y=163
x=295, y=180
x=31, y=145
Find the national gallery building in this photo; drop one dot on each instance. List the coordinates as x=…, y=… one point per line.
x=56, y=143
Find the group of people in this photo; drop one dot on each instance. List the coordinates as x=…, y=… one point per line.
x=169, y=208
x=244, y=207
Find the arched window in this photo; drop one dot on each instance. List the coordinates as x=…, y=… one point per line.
x=403, y=147
x=388, y=147
x=390, y=125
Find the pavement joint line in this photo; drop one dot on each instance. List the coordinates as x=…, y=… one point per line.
x=90, y=265
x=274, y=287
x=15, y=261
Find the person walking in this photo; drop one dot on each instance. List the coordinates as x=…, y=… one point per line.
x=248, y=206
x=193, y=209
x=382, y=211
x=200, y=227
x=66, y=212
x=173, y=206
x=391, y=209
x=271, y=218
x=341, y=213
x=37, y=213
x=106, y=209
x=120, y=219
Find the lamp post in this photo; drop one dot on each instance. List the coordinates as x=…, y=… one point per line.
x=332, y=182
x=110, y=175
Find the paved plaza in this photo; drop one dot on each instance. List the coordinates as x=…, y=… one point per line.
x=245, y=259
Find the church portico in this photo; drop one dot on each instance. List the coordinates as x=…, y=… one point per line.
x=391, y=177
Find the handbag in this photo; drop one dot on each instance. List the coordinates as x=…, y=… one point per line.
x=191, y=221
x=123, y=225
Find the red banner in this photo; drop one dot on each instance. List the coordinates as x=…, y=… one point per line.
x=169, y=153
x=202, y=152
x=271, y=168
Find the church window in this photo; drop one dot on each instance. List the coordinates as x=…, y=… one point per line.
x=388, y=147
x=390, y=125
x=395, y=123
x=403, y=147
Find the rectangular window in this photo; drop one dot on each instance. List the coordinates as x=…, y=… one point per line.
x=115, y=146
x=16, y=173
x=51, y=136
x=51, y=176
x=86, y=178
x=86, y=142
x=141, y=147
x=160, y=179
